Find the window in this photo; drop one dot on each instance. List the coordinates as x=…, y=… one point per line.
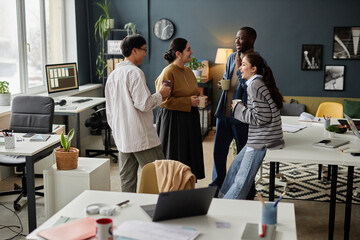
x=31, y=36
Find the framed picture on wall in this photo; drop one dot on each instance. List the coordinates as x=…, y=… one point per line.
x=334, y=78
x=311, y=57
x=346, y=43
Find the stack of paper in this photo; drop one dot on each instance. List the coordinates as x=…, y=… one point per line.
x=291, y=128
x=153, y=231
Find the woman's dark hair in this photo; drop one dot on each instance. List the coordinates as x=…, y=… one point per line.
x=257, y=61
x=130, y=42
x=178, y=44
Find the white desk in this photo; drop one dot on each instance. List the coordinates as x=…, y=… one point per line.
x=33, y=152
x=298, y=149
x=237, y=212
x=74, y=109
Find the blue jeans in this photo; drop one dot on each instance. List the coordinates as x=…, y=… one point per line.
x=226, y=130
x=242, y=173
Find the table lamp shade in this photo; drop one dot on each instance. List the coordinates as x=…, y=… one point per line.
x=222, y=55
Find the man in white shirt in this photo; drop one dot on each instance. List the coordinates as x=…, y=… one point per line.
x=129, y=105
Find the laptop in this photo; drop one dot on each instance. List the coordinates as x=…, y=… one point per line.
x=178, y=204
x=352, y=125
x=344, y=122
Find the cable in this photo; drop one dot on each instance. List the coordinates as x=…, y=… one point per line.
x=18, y=233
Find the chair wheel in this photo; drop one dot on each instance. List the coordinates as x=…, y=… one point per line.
x=283, y=179
x=17, y=207
x=115, y=160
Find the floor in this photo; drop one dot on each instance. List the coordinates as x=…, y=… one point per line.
x=311, y=217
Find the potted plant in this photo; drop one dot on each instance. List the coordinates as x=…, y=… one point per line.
x=102, y=29
x=5, y=96
x=196, y=66
x=67, y=157
x=332, y=130
x=130, y=28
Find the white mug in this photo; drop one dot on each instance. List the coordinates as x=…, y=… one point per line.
x=104, y=229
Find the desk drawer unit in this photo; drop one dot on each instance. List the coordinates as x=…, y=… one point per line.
x=62, y=186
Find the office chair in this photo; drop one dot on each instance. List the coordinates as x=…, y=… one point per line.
x=334, y=110
x=148, y=179
x=98, y=123
x=29, y=114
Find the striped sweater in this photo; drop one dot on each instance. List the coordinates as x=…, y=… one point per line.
x=262, y=116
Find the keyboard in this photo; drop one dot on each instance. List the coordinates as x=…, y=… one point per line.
x=82, y=100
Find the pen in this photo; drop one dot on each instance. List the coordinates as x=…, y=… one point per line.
x=3, y=133
x=324, y=117
x=122, y=203
x=277, y=201
x=261, y=199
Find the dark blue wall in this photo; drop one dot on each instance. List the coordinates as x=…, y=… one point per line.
x=282, y=26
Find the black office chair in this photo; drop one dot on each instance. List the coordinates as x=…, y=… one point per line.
x=98, y=123
x=29, y=114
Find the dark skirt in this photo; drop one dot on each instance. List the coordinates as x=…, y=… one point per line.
x=181, y=139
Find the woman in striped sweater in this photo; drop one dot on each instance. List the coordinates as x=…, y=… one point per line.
x=262, y=113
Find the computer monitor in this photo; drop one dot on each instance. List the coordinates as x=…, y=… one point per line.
x=61, y=79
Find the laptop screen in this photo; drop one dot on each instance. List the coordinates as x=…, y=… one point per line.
x=352, y=126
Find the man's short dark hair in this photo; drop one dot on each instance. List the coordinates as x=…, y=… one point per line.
x=250, y=31
x=130, y=42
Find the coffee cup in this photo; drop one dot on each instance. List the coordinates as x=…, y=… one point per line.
x=225, y=84
x=104, y=229
x=202, y=100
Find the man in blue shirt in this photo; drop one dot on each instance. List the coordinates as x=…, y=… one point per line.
x=227, y=127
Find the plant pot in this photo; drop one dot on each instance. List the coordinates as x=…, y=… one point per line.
x=66, y=160
x=5, y=99
x=110, y=24
x=197, y=73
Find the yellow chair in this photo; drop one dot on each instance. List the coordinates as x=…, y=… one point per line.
x=148, y=180
x=332, y=109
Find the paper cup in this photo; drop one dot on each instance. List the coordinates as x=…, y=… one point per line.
x=225, y=84
x=104, y=229
x=201, y=102
x=269, y=214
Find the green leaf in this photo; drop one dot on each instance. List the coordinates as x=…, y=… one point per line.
x=64, y=142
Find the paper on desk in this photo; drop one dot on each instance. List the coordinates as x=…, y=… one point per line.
x=291, y=128
x=153, y=231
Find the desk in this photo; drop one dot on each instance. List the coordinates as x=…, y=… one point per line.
x=33, y=152
x=237, y=212
x=298, y=149
x=74, y=109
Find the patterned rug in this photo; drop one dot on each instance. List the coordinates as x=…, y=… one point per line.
x=304, y=185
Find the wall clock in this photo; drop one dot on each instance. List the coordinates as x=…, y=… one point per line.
x=164, y=29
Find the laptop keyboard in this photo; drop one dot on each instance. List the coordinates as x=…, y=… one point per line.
x=149, y=209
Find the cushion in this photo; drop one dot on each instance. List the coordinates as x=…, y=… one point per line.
x=352, y=108
x=293, y=108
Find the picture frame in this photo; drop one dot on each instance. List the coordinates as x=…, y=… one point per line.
x=113, y=47
x=311, y=57
x=334, y=77
x=346, y=43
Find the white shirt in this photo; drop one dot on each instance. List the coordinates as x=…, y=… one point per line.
x=129, y=105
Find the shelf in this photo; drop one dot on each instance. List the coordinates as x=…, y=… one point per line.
x=110, y=54
x=118, y=30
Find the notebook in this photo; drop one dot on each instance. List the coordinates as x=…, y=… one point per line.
x=178, y=204
x=331, y=143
